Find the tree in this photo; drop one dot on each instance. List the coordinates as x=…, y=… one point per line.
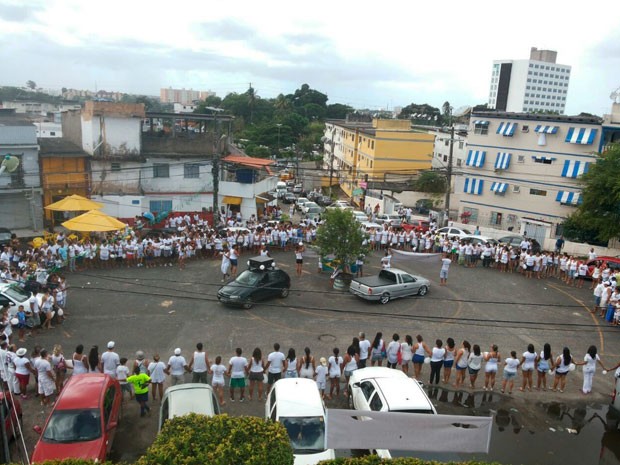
x=446, y=110
x=338, y=111
x=600, y=209
x=341, y=237
x=420, y=113
x=306, y=95
x=431, y=182
x=31, y=85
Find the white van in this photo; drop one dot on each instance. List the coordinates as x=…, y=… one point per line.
x=297, y=404
x=281, y=189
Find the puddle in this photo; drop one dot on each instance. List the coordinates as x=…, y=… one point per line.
x=532, y=432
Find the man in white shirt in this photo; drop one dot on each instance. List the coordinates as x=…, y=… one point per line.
x=199, y=365
x=275, y=363
x=110, y=360
x=177, y=366
x=237, y=367
x=364, y=347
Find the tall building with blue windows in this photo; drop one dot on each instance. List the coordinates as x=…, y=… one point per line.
x=537, y=84
x=522, y=170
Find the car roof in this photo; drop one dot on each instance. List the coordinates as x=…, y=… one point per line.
x=403, y=394
x=83, y=391
x=298, y=397
x=190, y=398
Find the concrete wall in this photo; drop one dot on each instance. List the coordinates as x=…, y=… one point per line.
x=182, y=143
x=106, y=181
x=121, y=136
x=177, y=181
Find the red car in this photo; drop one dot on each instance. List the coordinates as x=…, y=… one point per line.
x=613, y=263
x=12, y=414
x=84, y=420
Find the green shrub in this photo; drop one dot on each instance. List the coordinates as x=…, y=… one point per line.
x=221, y=440
x=375, y=460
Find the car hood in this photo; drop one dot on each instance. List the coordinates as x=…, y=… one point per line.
x=234, y=288
x=78, y=450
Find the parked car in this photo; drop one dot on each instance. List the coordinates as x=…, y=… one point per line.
x=388, y=218
x=324, y=200
x=13, y=295
x=188, y=398
x=261, y=281
x=298, y=189
x=612, y=262
x=309, y=205
x=83, y=422
x=450, y=231
x=382, y=389
x=515, y=240
x=475, y=240
x=12, y=414
x=297, y=404
x=417, y=225
x=313, y=213
x=360, y=216
x=301, y=201
x=289, y=197
x=389, y=284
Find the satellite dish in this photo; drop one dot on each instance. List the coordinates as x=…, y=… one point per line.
x=9, y=164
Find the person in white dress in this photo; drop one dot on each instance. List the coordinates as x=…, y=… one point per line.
x=157, y=374
x=590, y=360
x=45, y=377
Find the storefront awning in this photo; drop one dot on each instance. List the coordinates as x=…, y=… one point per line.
x=546, y=129
x=499, y=187
x=230, y=200
x=507, y=129
x=568, y=198
x=502, y=162
x=475, y=158
x=265, y=197
x=584, y=136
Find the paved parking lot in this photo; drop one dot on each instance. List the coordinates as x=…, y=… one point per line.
x=156, y=310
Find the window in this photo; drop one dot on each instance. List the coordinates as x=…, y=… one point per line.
x=375, y=403
x=473, y=213
x=520, y=158
x=108, y=403
x=52, y=133
x=447, y=142
x=158, y=206
x=482, y=129
x=459, y=162
x=191, y=170
x=516, y=189
x=161, y=170
x=116, y=166
x=496, y=218
x=538, y=192
x=461, y=144
x=525, y=129
x=543, y=160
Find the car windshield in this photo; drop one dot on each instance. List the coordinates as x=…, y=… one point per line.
x=307, y=434
x=73, y=426
x=16, y=293
x=248, y=278
x=5, y=236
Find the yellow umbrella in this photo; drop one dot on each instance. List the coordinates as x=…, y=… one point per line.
x=93, y=220
x=74, y=203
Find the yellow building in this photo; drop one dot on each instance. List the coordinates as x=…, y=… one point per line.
x=378, y=151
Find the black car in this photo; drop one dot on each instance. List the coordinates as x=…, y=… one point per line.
x=261, y=281
x=515, y=241
x=324, y=200
x=289, y=197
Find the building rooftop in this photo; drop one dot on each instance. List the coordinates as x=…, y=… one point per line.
x=60, y=147
x=8, y=117
x=537, y=117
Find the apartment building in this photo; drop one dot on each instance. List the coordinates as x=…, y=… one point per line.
x=535, y=85
x=522, y=170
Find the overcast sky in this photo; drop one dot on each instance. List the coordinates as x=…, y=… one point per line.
x=362, y=53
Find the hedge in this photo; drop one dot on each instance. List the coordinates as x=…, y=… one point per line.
x=220, y=440
x=376, y=460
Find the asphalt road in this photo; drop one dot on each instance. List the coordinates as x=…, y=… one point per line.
x=158, y=309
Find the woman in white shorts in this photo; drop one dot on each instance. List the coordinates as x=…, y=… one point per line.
x=217, y=381
x=45, y=377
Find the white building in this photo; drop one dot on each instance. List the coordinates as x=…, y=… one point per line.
x=441, y=148
x=522, y=170
x=537, y=84
x=184, y=108
x=48, y=129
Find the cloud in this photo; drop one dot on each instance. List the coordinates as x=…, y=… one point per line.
x=16, y=13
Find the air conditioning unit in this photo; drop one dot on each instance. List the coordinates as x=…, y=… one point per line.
x=516, y=189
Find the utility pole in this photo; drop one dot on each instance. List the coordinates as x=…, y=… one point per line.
x=215, y=171
x=449, y=176
x=331, y=161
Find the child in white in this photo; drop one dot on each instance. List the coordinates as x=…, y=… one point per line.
x=321, y=376
x=121, y=375
x=218, y=370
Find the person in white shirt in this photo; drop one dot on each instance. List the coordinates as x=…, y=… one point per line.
x=275, y=363
x=237, y=368
x=321, y=376
x=445, y=268
x=122, y=372
x=217, y=380
x=110, y=360
x=199, y=365
x=364, y=346
x=177, y=366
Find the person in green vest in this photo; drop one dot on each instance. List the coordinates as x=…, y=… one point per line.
x=141, y=383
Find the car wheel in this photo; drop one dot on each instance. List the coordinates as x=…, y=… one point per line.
x=285, y=291
x=385, y=298
x=248, y=304
x=423, y=290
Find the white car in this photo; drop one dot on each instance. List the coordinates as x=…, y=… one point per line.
x=297, y=404
x=360, y=216
x=391, y=219
x=450, y=231
x=13, y=295
x=188, y=398
x=309, y=205
x=301, y=201
x=479, y=240
x=383, y=389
